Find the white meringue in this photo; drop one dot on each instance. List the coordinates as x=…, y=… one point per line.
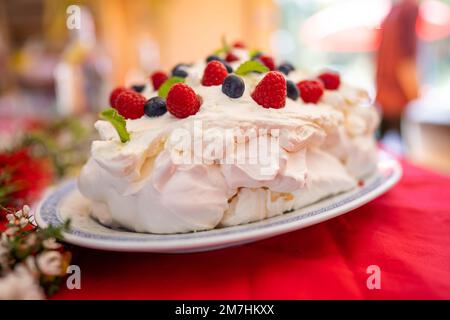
x=198, y=173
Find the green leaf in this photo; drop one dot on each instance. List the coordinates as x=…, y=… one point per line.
x=225, y=47
x=56, y=232
x=251, y=66
x=165, y=87
x=118, y=123
x=254, y=52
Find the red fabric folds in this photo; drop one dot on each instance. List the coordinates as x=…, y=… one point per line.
x=406, y=232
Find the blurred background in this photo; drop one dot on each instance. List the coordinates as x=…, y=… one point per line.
x=55, y=76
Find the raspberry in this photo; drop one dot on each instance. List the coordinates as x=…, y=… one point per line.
x=158, y=78
x=270, y=92
x=231, y=57
x=239, y=44
x=182, y=101
x=267, y=61
x=130, y=104
x=114, y=94
x=331, y=80
x=310, y=90
x=214, y=74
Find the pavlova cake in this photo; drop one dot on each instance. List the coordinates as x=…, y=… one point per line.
x=229, y=140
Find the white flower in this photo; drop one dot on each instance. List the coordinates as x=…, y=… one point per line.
x=11, y=218
x=23, y=222
x=50, y=263
x=26, y=211
x=51, y=243
x=19, y=214
x=11, y=231
x=20, y=284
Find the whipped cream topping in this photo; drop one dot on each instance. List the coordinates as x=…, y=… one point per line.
x=143, y=185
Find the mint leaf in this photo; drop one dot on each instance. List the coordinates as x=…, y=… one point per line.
x=218, y=51
x=253, y=53
x=118, y=123
x=225, y=47
x=251, y=66
x=165, y=87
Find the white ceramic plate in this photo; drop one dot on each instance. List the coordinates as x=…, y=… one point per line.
x=65, y=202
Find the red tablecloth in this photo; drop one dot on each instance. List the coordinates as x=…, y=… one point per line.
x=405, y=232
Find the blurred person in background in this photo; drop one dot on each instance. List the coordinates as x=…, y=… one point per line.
x=396, y=74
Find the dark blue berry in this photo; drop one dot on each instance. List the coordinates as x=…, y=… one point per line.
x=229, y=68
x=179, y=73
x=155, y=107
x=292, y=90
x=213, y=58
x=180, y=70
x=286, y=67
x=289, y=65
x=138, y=87
x=233, y=86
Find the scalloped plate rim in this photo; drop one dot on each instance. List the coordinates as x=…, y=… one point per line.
x=229, y=236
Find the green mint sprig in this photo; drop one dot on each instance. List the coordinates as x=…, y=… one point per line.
x=118, y=123
x=251, y=66
x=225, y=47
x=165, y=87
x=253, y=53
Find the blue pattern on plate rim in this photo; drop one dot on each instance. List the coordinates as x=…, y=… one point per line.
x=50, y=215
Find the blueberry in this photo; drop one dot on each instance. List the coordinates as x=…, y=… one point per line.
x=229, y=68
x=180, y=70
x=179, y=73
x=289, y=65
x=286, y=67
x=213, y=58
x=138, y=87
x=155, y=107
x=291, y=90
x=233, y=86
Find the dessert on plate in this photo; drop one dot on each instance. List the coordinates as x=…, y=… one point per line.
x=228, y=140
